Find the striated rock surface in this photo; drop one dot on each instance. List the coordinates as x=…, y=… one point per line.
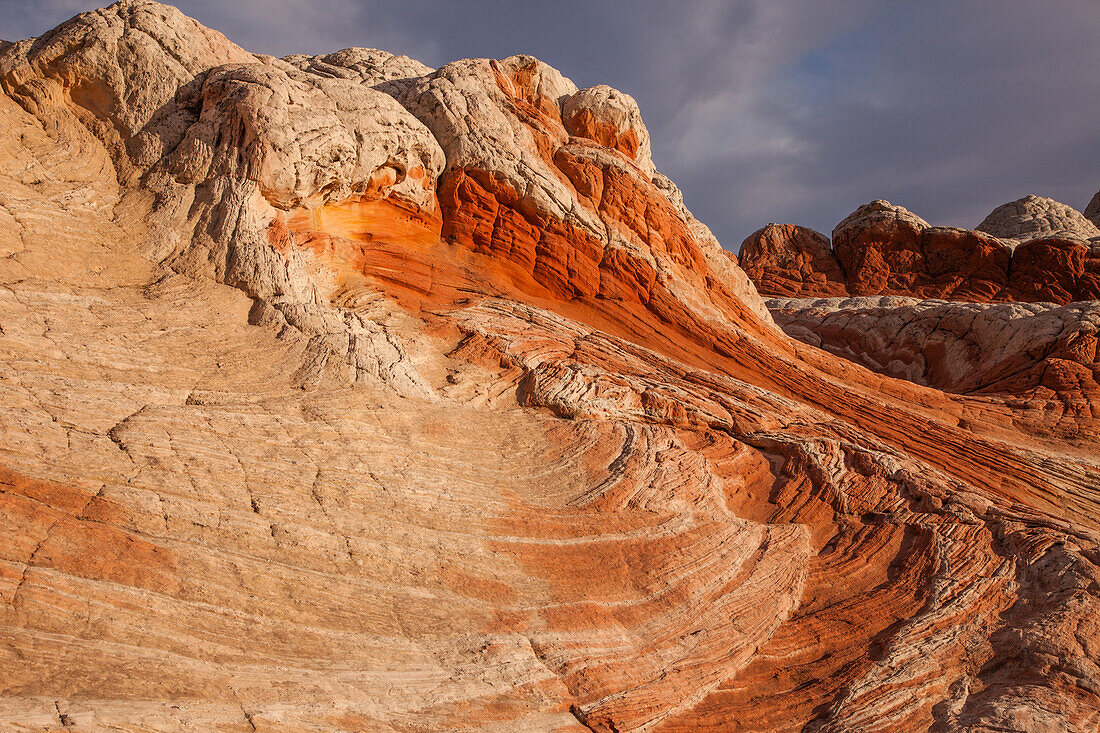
x=343, y=394
x=565, y=216
x=1040, y=352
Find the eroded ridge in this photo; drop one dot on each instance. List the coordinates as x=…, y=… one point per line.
x=342, y=393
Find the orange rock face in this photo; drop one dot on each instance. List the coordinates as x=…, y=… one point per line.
x=553, y=267
x=485, y=215
x=1048, y=269
x=962, y=264
x=585, y=124
x=788, y=261
x=506, y=442
x=878, y=248
x=55, y=528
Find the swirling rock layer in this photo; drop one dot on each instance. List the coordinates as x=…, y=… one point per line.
x=343, y=394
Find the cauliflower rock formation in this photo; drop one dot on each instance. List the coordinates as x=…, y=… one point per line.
x=783, y=259
x=882, y=249
x=1033, y=217
x=344, y=394
x=612, y=119
x=370, y=66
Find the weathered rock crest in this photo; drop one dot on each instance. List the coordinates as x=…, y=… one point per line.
x=346, y=394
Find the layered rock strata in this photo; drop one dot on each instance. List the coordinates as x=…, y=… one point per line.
x=344, y=394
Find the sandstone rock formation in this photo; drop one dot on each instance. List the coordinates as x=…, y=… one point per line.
x=1092, y=211
x=1033, y=217
x=782, y=259
x=612, y=119
x=878, y=246
x=882, y=249
x=343, y=394
x=962, y=264
x=1044, y=353
x=1053, y=269
x=369, y=66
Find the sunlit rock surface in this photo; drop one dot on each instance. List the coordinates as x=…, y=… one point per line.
x=343, y=394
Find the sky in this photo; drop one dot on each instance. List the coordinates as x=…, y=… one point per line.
x=764, y=110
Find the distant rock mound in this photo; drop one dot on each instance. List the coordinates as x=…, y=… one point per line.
x=878, y=246
x=963, y=264
x=1034, y=217
x=882, y=249
x=1054, y=270
x=1092, y=211
x=788, y=260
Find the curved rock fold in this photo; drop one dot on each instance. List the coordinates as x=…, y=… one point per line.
x=341, y=393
